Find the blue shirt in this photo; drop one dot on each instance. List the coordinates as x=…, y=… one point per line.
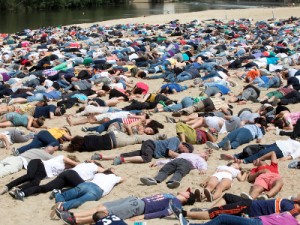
x=223, y=89
x=162, y=147
x=44, y=111
x=254, y=130
x=52, y=94
x=174, y=86
x=267, y=207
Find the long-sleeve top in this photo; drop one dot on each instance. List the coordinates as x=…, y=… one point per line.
x=195, y=159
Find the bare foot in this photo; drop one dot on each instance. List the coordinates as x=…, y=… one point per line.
x=226, y=157
x=69, y=120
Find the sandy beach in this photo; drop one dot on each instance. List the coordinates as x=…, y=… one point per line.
x=36, y=209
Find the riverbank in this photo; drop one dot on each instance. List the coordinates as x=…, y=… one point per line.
x=36, y=209
x=255, y=13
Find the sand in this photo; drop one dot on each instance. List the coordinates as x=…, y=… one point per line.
x=36, y=209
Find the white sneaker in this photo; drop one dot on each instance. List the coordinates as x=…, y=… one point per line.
x=212, y=145
x=263, y=197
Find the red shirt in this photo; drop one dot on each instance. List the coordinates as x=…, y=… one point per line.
x=272, y=168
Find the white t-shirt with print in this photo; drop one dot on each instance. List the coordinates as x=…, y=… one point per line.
x=54, y=166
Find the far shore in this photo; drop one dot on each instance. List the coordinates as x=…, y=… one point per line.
x=256, y=14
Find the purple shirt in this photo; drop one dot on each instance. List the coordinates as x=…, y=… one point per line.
x=278, y=219
x=157, y=206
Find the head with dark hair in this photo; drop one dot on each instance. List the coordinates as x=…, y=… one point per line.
x=80, y=109
x=164, y=90
x=261, y=120
x=38, y=122
x=280, y=109
x=138, y=91
x=105, y=88
x=108, y=171
x=155, y=123
x=76, y=144
x=278, y=122
x=141, y=74
x=152, y=127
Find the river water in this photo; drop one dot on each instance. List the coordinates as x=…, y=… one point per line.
x=16, y=21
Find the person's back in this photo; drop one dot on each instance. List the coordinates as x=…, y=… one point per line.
x=162, y=146
x=267, y=207
x=157, y=206
x=278, y=219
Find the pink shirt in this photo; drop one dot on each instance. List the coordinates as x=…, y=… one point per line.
x=143, y=86
x=292, y=118
x=279, y=219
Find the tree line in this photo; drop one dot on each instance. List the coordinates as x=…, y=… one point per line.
x=53, y=4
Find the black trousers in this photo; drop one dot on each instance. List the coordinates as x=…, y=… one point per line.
x=68, y=178
x=291, y=98
x=235, y=205
x=292, y=134
x=35, y=173
x=146, y=152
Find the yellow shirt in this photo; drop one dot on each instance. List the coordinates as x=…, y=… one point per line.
x=57, y=132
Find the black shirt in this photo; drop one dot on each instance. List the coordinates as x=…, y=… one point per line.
x=97, y=142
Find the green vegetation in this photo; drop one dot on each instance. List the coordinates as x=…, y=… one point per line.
x=53, y=4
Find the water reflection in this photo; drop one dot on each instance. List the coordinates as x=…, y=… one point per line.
x=12, y=22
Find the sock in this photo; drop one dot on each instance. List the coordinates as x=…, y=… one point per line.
x=100, y=155
x=122, y=159
x=184, y=213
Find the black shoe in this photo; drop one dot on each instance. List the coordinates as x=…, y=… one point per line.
x=19, y=195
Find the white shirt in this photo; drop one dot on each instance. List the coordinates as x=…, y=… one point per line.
x=289, y=147
x=106, y=181
x=54, y=166
x=235, y=172
x=86, y=170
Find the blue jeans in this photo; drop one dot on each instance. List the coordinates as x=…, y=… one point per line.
x=75, y=197
x=269, y=148
x=273, y=82
x=210, y=75
x=42, y=139
x=237, y=137
x=231, y=220
x=183, y=76
x=185, y=102
x=104, y=126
